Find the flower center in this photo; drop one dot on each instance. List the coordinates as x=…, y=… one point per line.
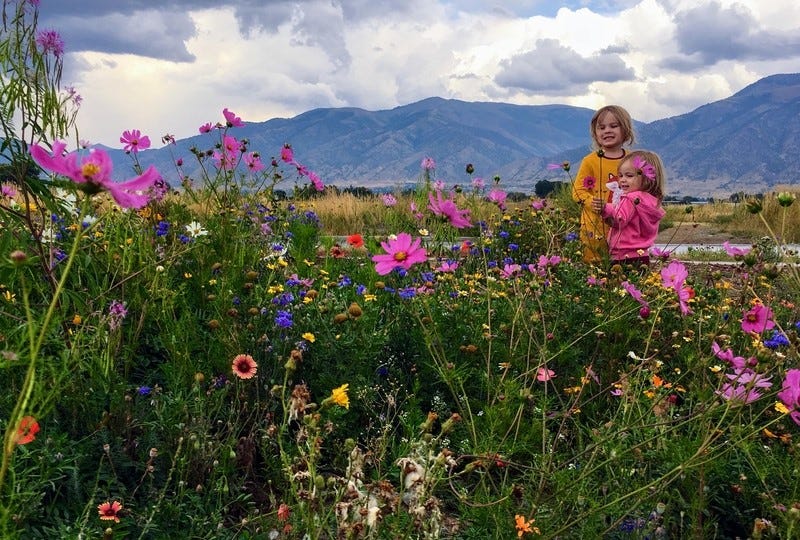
x=243, y=367
x=89, y=170
x=400, y=256
x=752, y=317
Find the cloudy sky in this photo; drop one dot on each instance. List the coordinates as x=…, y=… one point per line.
x=174, y=66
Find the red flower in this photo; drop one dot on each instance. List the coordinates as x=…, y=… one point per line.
x=337, y=252
x=244, y=366
x=27, y=430
x=355, y=240
x=283, y=512
x=589, y=182
x=109, y=510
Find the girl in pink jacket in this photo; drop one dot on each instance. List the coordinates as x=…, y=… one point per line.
x=634, y=218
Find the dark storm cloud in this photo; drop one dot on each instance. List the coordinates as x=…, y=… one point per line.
x=551, y=68
x=160, y=30
x=710, y=33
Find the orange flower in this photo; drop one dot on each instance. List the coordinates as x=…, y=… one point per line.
x=355, y=240
x=109, y=510
x=523, y=526
x=283, y=512
x=27, y=430
x=244, y=366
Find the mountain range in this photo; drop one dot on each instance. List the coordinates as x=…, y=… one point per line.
x=747, y=142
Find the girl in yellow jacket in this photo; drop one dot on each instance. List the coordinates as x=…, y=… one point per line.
x=611, y=129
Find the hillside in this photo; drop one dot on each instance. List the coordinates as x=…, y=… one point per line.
x=747, y=142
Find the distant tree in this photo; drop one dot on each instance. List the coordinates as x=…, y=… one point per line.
x=359, y=192
x=516, y=196
x=543, y=188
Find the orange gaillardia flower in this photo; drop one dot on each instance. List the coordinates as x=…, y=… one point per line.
x=27, y=430
x=244, y=366
x=109, y=510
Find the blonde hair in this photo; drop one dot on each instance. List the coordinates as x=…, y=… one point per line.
x=654, y=186
x=622, y=116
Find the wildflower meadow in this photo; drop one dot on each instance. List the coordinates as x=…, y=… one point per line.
x=193, y=354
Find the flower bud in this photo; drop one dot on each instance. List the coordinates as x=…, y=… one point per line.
x=753, y=206
x=786, y=199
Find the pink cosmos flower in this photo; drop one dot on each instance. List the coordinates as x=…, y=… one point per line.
x=229, y=156
x=659, y=253
x=7, y=190
x=757, y=319
x=287, y=154
x=674, y=275
x=498, y=197
x=744, y=386
x=134, y=141
x=447, y=267
x=589, y=182
x=647, y=169
x=93, y=173
x=231, y=120
x=544, y=374
x=635, y=293
x=736, y=362
x=734, y=251
x=402, y=252
x=206, y=128
x=415, y=211
x=447, y=208
x=388, y=199
x=253, y=162
x=538, y=204
x=428, y=163
x=790, y=394
x=510, y=270
x=316, y=181
x=478, y=184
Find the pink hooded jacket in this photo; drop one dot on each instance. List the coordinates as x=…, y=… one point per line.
x=634, y=225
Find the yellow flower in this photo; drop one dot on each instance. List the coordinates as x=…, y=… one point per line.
x=308, y=336
x=76, y=320
x=423, y=232
x=9, y=296
x=339, y=396
x=369, y=297
x=523, y=526
x=781, y=408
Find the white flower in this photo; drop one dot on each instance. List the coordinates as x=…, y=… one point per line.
x=194, y=229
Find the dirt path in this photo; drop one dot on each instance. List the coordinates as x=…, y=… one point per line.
x=699, y=234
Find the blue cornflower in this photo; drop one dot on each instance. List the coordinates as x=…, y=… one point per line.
x=144, y=390
x=283, y=299
x=503, y=234
x=513, y=247
x=184, y=239
x=407, y=293
x=492, y=264
x=283, y=319
x=361, y=289
x=571, y=236
x=778, y=339
x=292, y=282
x=427, y=276
x=345, y=282
x=162, y=228
x=401, y=271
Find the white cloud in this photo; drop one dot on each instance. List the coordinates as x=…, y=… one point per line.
x=168, y=70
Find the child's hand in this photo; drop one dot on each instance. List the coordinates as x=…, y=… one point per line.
x=597, y=205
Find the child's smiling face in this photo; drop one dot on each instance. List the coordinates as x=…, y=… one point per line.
x=629, y=177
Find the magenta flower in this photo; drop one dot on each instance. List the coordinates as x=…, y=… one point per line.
x=316, y=181
x=428, y=163
x=287, y=154
x=538, y=204
x=510, y=270
x=659, y=253
x=229, y=156
x=647, y=169
x=93, y=173
x=757, y=319
x=498, y=197
x=447, y=267
x=49, y=41
x=253, y=162
x=736, y=362
x=401, y=252
x=7, y=190
x=674, y=275
x=134, y=141
x=388, y=199
x=206, y=128
x=790, y=394
x=589, y=182
x=744, y=386
x=734, y=251
x=478, y=184
x=544, y=374
x=447, y=208
x=231, y=120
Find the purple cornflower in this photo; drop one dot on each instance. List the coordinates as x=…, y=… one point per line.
x=283, y=319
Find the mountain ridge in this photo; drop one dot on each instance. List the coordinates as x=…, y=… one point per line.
x=746, y=142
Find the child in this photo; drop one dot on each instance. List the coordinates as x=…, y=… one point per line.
x=634, y=220
x=611, y=128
